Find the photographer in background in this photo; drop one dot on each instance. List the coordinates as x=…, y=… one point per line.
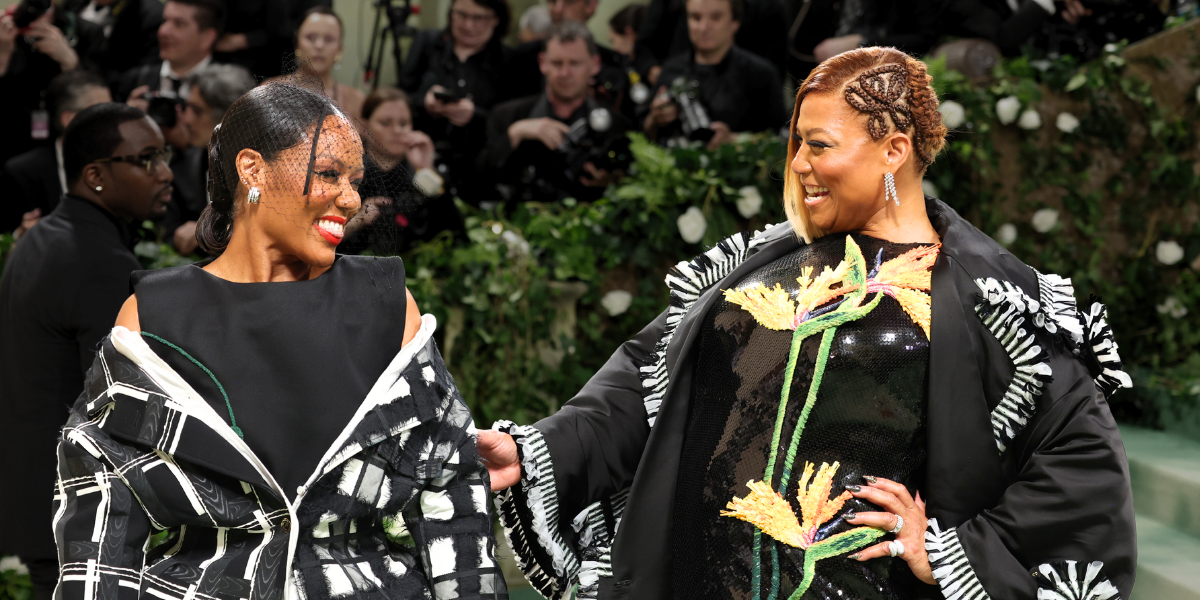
x=35, y=180
x=457, y=76
x=557, y=144
x=737, y=90
x=764, y=32
x=37, y=42
x=211, y=91
x=189, y=30
x=129, y=29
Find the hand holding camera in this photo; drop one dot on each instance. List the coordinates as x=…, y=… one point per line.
x=49, y=40
x=440, y=102
x=544, y=129
x=663, y=110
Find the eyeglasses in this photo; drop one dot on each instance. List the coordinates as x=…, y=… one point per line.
x=467, y=17
x=150, y=160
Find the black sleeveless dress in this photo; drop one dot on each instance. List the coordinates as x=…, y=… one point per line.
x=869, y=416
x=295, y=358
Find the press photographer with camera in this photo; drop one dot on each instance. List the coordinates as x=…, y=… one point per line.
x=717, y=90
x=189, y=30
x=559, y=143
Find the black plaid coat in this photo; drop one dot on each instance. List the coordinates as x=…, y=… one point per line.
x=158, y=498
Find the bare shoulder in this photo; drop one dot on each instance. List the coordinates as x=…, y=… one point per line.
x=412, y=318
x=128, y=317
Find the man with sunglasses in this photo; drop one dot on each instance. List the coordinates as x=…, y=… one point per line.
x=60, y=292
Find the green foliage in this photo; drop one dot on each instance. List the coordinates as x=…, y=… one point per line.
x=15, y=585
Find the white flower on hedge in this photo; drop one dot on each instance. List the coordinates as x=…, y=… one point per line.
x=1168, y=252
x=1044, y=220
x=703, y=161
x=1006, y=234
x=1030, y=119
x=1114, y=60
x=1007, y=108
x=12, y=563
x=692, y=225
x=953, y=114
x=517, y=246
x=749, y=201
x=1110, y=48
x=928, y=188
x=616, y=302
x=1066, y=122
x=1172, y=306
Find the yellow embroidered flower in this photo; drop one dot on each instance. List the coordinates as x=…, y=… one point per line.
x=766, y=509
x=823, y=289
x=772, y=308
x=907, y=278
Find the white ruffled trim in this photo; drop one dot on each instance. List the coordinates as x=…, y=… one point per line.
x=1058, y=310
x=1004, y=311
x=1099, y=340
x=1064, y=579
x=951, y=569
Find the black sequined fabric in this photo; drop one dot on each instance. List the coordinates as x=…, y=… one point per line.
x=869, y=415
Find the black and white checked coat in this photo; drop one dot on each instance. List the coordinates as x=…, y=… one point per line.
x=158, y=498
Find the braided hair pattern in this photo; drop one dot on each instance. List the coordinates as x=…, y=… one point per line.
x=881, y=91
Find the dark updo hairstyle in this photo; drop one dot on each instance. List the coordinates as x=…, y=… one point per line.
x=268, y=119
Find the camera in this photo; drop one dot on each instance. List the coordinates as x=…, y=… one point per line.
x=163, y=108
x=26, y=12
x=590, y=140
x=693, y=117
x=446, y=96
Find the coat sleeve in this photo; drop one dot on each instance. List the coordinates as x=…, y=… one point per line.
x=1067, y=515
x=99, y=525
x=586, y=452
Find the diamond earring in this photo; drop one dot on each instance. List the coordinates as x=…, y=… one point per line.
x=889, y=192
x=99, y=188
x=253, y=195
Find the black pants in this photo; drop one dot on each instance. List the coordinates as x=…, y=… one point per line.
x=43, y=573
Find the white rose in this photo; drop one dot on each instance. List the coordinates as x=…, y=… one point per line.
x=1168, y=252
x=928, y=188
x=1110, y=48
x=749, y=201
x=692, y=225
x=1172, y=306
x=1066, y=122
x=616, y=302
x=703, y=161
x=953, y=114
x=1114, y=60
x=428, y=181
x=1007, y=108
x=517, y=246
x=1045, y=219
x=12, y=563
x=1006, y=235
x=1030, y=119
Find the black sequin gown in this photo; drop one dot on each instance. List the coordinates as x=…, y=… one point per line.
x=869, y=416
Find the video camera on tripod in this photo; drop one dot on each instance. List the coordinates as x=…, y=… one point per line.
x=397, y=27
x=693, y=117
x=590, y=140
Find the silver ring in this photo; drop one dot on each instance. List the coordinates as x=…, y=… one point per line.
x=899, y=525
x=896, y=548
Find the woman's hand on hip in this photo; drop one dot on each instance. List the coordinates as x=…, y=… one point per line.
x=498, y=451
x=899, y=503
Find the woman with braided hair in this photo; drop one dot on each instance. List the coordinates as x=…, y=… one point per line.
x=874, y=400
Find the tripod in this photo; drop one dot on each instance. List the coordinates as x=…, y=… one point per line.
x=396, y=27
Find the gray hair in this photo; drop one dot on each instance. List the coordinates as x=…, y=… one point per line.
x=220, y=86
x=569, y=31
x=536, y=19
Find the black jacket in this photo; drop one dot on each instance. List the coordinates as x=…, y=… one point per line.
x=1013, y=483
x=32, y=182
x=993, y=20
x=134, y=35
x=743, y=90
x=609, y=86
x=60, y=293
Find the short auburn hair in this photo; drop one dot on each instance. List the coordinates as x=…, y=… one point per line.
x=914, y=111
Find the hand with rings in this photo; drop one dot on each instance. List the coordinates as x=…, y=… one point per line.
x=905, y=518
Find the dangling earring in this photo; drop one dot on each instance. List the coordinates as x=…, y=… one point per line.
x=253, y=195
x=889, y=191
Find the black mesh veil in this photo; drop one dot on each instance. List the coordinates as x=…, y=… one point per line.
x=312, y=165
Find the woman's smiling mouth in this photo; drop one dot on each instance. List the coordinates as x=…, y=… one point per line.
x=813, y=194
x=331, y=227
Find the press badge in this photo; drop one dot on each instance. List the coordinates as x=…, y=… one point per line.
x=40, y=125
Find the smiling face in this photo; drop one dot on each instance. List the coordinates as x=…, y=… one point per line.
x=319, y=42
x=390, y=124
x=309, y=226
x=838, y=164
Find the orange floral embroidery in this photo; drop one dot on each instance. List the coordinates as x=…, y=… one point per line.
x=767, y=510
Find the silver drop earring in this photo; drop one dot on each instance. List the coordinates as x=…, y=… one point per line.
x=253, y=195
x=889, y=192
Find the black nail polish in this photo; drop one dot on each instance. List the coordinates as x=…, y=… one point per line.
x=869, y=478
x=854, y=488
x=849, y=516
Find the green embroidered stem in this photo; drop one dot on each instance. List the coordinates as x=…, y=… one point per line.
x=833, y=546
x=232, y=421
x=798, y=338
x=756, y=573
x=818, y=375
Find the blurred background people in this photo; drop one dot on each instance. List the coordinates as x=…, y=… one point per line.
x=643, y=68
x=458, y=75
x=129, y=29
x=189, y=30
x=764, y=29
x=62, y=288
x=35, y=181
x=319, y=48
x=537, y=146
x=534, y=24
x=404, y=198
x=257, y=36
x=36, y=44
x=737, y=91
x=211, y=91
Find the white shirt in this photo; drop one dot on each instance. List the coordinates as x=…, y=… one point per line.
x=165, y=74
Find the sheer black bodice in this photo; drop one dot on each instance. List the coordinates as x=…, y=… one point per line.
x=869, y=416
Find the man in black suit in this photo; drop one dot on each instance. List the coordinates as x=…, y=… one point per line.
x=664, y=29
x=129, y=29
x=189, y=31
x=35, y=180
x=527, y=136
x=62, y=288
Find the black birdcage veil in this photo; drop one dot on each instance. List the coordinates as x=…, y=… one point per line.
x=315, y=168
